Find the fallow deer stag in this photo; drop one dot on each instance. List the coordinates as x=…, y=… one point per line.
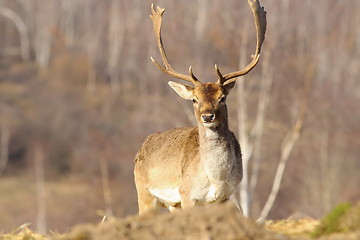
x=191, y=166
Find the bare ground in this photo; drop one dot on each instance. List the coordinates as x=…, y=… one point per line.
x=201, y=223
x=207, y=223
x=210, y=222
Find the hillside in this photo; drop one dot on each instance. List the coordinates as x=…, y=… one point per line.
x=210, y=222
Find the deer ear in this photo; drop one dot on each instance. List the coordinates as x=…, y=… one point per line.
x=229, y=86
x=184, y=91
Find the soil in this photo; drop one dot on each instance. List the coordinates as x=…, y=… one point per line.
x=202, y=223
x=210, y=222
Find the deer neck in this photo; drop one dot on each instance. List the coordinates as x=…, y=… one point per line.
x=217, y=152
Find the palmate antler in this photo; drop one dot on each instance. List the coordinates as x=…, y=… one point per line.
x=156, y=17
x=260, y=23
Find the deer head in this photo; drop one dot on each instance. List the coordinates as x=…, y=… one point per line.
x=209, y=98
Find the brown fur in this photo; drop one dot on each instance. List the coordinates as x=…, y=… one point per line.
x=185, y=167
x=201, y=164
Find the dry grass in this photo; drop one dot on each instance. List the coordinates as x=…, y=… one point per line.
x=210, y=222
x=23, y=233
x=299, y=227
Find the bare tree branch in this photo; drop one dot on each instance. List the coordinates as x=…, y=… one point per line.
x=287, y=146
x=23, y=32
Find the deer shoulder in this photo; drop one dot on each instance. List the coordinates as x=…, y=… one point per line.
x=186, y=167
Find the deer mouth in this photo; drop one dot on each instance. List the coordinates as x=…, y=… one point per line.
x=210, y=124
x=208, y=120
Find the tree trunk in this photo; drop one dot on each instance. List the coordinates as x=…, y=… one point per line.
x=201, y=20
x=4, y=147
x=45, y=19
x=116, y=36
x=257, y=130
x=106, y=187
x=40, y=188
x=243, y=136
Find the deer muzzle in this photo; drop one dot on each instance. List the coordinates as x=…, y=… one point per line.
x=208, y=117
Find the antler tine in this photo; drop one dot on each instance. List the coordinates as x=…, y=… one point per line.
x=260, y=23
x=221, y=79
x=156, y=17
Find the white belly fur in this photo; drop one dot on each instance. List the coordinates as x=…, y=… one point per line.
x=169, y=196
x=213, y=193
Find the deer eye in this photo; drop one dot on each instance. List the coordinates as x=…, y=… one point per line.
x=194, y=100
x=222, y=100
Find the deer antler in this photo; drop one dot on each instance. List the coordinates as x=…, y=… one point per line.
x=156, y=17
x=260, y=23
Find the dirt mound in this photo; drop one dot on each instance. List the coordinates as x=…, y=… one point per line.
x=210, y=222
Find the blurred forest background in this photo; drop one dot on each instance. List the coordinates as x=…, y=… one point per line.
x=79, y=94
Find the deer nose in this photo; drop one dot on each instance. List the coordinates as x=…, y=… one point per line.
x=208, y=118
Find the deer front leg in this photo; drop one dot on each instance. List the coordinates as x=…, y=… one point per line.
x=146, y=201
x=187, y=200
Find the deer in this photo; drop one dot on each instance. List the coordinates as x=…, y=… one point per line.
x=193, y=166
